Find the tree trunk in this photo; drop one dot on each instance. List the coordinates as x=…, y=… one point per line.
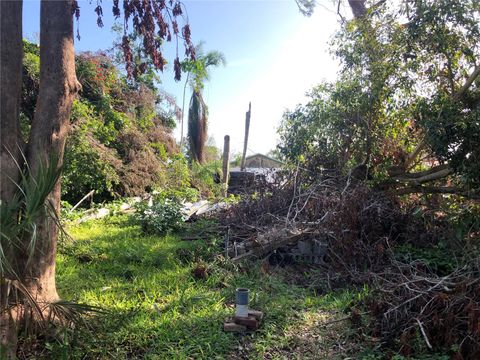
x=245, y=139
x=226, y=164
x=358, y=8
x=183, y=111
x=58, y=88
x=11, y=55
x=11, y=49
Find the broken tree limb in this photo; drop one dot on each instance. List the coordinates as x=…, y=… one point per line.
x=245, y=141
x=226, y=164
x=422, y=329
x=468, y=83
x=82, y=200
x=438, y=172
x=434, y=190
x=270, y=241
x=422, y=174
x=411, y=157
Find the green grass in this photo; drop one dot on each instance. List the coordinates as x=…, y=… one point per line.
x=156, y=308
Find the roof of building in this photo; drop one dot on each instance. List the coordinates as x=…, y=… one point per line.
x=264, y=156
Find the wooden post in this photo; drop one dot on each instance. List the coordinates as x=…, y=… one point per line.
x=226, y=163
x=245, y=142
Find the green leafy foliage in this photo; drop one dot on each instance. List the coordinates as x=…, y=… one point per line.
x=161, y=217
x=199, y=68
x=176, y=180
x=453, y=132
x=120, y=141
x=403, y=69
x=89, y=165
x=206, y=178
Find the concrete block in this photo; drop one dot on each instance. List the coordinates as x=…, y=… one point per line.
x=320, y=248
x=250, y=322
x=305, y=247
x=256, y=314
x=233, y=327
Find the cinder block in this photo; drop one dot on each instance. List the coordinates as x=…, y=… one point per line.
x=256, y=314
x=250, y=322
x=233, y=327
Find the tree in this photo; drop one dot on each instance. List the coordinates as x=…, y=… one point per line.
x=198, y=112
x=30, y=183
x=415, y=69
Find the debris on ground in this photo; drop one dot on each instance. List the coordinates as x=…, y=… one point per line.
x=350, y=231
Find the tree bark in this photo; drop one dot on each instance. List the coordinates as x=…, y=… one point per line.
x=11, y=55
x=226, y=164
x=11, y=49
x=245, y=140
x=436, y=173
x=58, y=88
x=419, y=189
x=358, y=8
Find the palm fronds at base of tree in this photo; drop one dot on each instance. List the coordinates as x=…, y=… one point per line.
x=21, y=217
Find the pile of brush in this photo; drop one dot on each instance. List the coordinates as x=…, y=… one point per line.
x=412, y=302
x=360, y=227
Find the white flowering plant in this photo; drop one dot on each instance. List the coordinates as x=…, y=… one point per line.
x=159, y=218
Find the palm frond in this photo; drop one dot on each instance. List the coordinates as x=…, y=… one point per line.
x=28, y=206
x=70, y=313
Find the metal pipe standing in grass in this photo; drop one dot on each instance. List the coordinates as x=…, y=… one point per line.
x=241, y=301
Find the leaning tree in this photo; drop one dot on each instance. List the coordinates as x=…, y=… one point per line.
x=407, y=98
x=30, y=172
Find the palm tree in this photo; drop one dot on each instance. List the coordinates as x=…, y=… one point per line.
x=197, y=75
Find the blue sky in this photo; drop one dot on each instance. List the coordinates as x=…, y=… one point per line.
x=274, y=56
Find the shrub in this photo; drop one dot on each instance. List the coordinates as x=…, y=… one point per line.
x=160, y=218
x=175, y=180
x=206, y=178
x=89, y=165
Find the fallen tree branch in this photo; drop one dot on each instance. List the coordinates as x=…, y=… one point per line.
x=272, y=245
x=411, y=158
x=468, y=83
x=438, y=172
x=424, y=334
x=434, y=190
x=82, y=200
x=424, y=173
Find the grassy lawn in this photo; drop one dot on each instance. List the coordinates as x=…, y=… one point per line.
x=157, y=309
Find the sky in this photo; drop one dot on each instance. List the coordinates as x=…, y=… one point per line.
x=274, y=56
